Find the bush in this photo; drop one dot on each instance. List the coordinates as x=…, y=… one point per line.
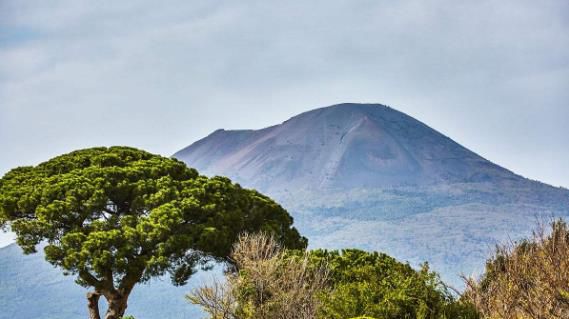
x=266, y=283
x=377, y=285
x=528, y=279
x=269, y=282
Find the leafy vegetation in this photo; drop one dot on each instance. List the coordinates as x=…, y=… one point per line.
x=376, y=285
x=118, y=216
x=273, y=283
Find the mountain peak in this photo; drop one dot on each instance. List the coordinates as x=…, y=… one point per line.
x=343, y=146
x=342, y=111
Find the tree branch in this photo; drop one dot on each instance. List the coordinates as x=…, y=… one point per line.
x=86, y=276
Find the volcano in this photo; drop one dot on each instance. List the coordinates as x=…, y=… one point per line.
x=339, y=148
x=369, y=176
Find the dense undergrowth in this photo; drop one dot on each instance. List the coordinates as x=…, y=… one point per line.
x=270, y=282
x=524, y=279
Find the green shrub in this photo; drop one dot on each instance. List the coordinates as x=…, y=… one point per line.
x=376, y=285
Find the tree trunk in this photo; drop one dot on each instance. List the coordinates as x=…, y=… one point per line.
x=117, y=305
x=93, y=304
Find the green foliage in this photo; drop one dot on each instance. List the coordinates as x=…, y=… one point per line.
x=376, y=285
x=118, y=216
x=269, y=282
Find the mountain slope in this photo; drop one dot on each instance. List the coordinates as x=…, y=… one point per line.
x=369, y=176
x=340, y=147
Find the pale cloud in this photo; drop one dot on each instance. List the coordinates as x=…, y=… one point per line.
x=493, y=75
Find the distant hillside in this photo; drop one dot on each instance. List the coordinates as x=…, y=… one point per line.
x=369, y=176
x=30, y=288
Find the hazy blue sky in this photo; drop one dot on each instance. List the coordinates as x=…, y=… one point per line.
x=493, y=75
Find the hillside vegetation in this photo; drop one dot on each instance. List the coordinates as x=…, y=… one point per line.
x=528, y=279
x=270, y=282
